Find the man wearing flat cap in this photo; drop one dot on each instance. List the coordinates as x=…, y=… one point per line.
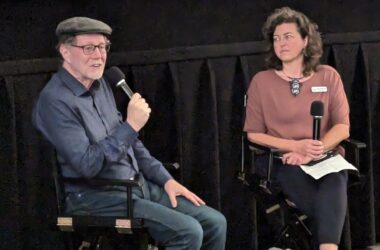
x=76, y=112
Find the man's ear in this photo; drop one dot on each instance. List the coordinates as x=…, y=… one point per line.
x=64, y=52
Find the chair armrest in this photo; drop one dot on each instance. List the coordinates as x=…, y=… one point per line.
x=101, y=182
x=109, y=182
x=266, y=149
x=271, y=151
x=353, y=144
x=172, y=166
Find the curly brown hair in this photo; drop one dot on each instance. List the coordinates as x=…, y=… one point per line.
x=313, y=50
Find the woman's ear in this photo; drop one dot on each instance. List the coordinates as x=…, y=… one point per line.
x=305, y=41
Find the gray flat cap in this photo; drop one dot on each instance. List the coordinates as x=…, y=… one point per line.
x=82, y=25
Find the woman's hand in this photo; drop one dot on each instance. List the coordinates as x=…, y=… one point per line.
x=310, y=148
x=294, y=158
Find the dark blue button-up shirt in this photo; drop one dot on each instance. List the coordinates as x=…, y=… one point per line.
x=89, y=134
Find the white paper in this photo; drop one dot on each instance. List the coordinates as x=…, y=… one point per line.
x=330, y=165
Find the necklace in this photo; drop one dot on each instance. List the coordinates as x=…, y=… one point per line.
x=295, y=86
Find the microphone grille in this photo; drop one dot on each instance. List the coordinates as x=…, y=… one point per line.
x=114, y=75
x=316, y=108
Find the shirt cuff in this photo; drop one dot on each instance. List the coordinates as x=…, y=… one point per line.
x=125, y=134
x=162, y=177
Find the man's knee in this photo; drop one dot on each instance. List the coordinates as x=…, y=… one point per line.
x=214, y=229
x=193, y=234
x=217, y=223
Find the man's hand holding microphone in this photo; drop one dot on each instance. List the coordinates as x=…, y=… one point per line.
x=138, y=109
x=138, y=112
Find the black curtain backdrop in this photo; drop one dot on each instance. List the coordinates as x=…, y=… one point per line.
x=196, y=95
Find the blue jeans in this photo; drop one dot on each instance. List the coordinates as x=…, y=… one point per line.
x=184, y=227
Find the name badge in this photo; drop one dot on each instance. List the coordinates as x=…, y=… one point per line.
x=319, y=89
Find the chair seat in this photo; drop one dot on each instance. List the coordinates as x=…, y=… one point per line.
x=121, y=225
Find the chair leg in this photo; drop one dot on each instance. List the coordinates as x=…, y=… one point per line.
x=68, y=241
x=94, y=242
x=99, y=242
x=143, y=241
x=254, y=242
x=346, y=235
x=85, y=245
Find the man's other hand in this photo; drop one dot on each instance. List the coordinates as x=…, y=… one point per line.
x=174, y=189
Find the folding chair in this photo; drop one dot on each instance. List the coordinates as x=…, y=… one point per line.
x=288, y=226
x=96, y=232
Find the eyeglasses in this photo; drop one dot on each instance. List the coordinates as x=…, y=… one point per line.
x=295, y=86
x=90, y=48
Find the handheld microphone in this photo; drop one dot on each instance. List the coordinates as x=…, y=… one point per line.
x=117, y=77
x=316, y=110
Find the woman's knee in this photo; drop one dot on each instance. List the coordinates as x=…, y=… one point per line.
x=334, y=182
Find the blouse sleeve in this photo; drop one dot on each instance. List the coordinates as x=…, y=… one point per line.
x=254, y=119
x=339, y=109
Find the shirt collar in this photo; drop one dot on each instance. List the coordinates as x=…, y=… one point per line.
x=72, y=83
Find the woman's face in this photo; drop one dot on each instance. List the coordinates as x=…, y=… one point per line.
x=288, y=43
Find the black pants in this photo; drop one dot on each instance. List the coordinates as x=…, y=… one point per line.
x=324, y=201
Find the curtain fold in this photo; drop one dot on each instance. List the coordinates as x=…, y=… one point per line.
x=348, y=60
x=251, y=64
x=31, y=211
x=9, y=188
x=230, y=87
x=198, y=123
x=371, y=53
x=154, y=83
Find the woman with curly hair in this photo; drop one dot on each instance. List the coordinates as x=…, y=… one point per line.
x=278, y=115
